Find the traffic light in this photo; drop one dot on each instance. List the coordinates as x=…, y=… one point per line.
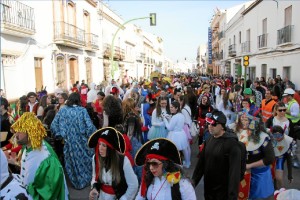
x=246, y=61
x=152, y=19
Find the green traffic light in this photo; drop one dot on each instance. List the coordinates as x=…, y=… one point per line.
x=152, y=19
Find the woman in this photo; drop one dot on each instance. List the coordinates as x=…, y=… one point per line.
x=62, y=98
x=74, y=125
x=206, y=91
x=112, y=111
x=226, y=106
x=113, y=176
x=44, y=102
x=98, y=105
x=279, y=119
x=186, y=111
x=158, y=128
x=219, y=97
x=162, y=178
x=260, y=157
x=192, y=100
x=204, y=108
x=283, y=145
x=176, y=133
x=131, y=120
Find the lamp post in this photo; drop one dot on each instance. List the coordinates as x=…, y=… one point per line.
x=113, y=40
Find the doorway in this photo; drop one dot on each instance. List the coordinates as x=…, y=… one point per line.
x=73, y=63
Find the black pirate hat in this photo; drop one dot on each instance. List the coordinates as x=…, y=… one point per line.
x=110, y=136
x=159, y=148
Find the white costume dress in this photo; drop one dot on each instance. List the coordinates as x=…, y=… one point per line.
x=176, y=133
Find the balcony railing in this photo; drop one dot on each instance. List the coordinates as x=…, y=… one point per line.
x=221, y=35
x=284, y=35
x=16, y=16
x=91, y=41
x=262, y=40
x=231, y=50
x=245, y=47
x=68, y=34
x=119, y=53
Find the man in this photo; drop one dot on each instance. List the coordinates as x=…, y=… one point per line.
x=41, y=172
x=293, y=114
x=219, y=161
x=267, y=106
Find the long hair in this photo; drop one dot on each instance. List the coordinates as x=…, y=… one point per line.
x=112, y=162
x=176, y=105
x=128, y=106
x=254, y=134
x=168, y=166
x=43, y=101
x=113, y=109
x=158, y=106
x=74, y=99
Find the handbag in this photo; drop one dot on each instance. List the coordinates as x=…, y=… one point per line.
x=194, y=128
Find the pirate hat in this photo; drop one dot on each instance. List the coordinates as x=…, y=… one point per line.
x=160, y=148
x=110, y=136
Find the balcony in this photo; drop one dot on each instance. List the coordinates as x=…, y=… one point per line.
x=231, y=50
x=68, y=35
x=119, y=54
x=140, y=57
x=245, y=47
x=17, y=19
x=284, y=35
x=221, y=35
x=262, y=40
x=91, y=42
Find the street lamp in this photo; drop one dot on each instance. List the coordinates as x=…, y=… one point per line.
x=152, y=23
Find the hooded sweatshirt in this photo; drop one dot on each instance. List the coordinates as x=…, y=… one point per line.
x=220, y=163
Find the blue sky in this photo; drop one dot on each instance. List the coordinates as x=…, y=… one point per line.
x=181, y=24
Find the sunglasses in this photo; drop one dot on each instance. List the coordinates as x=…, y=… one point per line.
x=154, y=164
x=281, y=110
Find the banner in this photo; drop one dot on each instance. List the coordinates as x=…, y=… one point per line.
x=209, y=46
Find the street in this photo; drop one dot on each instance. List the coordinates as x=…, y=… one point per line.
x=83, y=194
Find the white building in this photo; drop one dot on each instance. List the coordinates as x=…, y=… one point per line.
x=56, y=41
x=266, y=31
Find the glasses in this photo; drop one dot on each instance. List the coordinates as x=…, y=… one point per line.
x=281, y=110
x=154, y=164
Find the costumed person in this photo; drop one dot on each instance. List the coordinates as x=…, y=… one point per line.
x=73, y=124
x=158, y=128
x=260, y=156
x=204, y=108
x=33, y=104
x=83, y=94
x=11, y=188
x=176, y=133
x=112, y=111
x=41, y=172
x=186, y=111
x=98, y=105
x=226, y=107
x=163, y=177
x=146, y=116
x=113, y=176
x=282, y=145
x=206, y=90
x=92, y=94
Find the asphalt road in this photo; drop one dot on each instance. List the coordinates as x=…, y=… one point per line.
x=83, y=194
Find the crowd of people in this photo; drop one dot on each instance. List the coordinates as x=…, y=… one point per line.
x=133, y=140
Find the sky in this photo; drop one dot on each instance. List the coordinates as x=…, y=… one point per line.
x=183, y=25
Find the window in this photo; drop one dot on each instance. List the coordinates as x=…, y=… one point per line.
x=264, y=26
x=240, y=37
x=38, y=74
x=288, y=16
x=286, y=73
